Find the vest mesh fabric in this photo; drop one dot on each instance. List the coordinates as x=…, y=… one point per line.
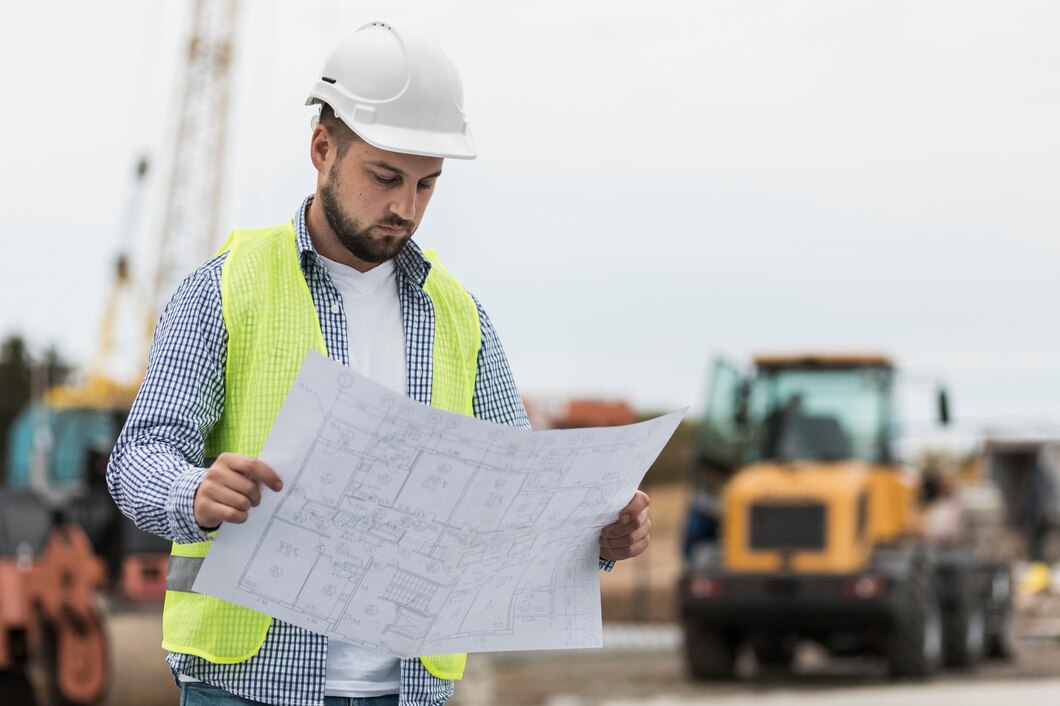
x=271, y=325
x=455, y=355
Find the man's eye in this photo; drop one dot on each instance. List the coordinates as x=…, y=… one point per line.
x=386, y=181
x=425, y=185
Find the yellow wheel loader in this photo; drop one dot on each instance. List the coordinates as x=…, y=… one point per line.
x=806, y=526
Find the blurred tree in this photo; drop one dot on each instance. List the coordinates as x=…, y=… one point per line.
x=16, y=383
x=57, y=370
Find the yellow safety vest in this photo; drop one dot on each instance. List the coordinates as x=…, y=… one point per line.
x=272, y=323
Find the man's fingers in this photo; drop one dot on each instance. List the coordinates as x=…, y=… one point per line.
x=224, y=477
x=230, y=488
x=637, y=505
x=631, y=534
x=253, y=468
x=629, y=552
x=229, y=498
x=626, y=540
x=215, y=513
x=624, y=527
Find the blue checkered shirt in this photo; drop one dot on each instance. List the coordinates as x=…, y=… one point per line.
x=157, y=462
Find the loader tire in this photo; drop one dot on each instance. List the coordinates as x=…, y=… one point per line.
x=1001, y=644
x=709, y=653
x=964, y=626
x=1001, y=626
x=914, y=646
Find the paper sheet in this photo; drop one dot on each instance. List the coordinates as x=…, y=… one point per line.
x=417, y=531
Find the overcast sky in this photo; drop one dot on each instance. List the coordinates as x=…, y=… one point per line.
x=658, y=182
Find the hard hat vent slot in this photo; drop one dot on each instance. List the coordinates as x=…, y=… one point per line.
x=327, y=80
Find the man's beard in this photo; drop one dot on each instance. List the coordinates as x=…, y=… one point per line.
x=356, y=239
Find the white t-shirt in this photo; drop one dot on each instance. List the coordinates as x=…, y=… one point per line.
x=377, y=351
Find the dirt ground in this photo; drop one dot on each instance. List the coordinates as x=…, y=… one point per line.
x=583, y=677
x=589, y=677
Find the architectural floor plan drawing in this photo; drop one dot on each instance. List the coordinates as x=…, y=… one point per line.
x=418, y=531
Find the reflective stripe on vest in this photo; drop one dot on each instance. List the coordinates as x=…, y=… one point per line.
x=181, y=572
x=271, y=323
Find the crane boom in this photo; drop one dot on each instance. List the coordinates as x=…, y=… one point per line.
x=194, y=193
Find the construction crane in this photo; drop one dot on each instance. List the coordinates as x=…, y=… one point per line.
x=56, y=518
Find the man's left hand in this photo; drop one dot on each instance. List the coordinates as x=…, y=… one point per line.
x=629, y=536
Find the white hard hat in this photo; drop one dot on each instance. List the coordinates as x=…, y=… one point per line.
x=392, y=84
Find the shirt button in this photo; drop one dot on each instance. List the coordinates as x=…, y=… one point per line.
x=334, y=308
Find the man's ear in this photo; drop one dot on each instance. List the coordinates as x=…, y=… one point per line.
x=321, y=146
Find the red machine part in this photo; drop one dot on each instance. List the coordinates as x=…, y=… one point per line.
x=144, y=577
x=63, y=585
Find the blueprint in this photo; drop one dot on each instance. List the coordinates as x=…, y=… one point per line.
x=416, y=531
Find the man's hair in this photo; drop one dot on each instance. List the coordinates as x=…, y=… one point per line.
x=340, y=131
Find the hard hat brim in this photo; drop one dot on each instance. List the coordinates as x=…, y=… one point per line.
x=425, y=143
x=392, y=138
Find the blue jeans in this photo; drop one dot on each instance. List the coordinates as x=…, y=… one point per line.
x=198, y=694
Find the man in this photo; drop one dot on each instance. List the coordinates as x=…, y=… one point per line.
x=344, y=277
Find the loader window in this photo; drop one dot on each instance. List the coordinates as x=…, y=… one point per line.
x=821, y=414
x=718, y=444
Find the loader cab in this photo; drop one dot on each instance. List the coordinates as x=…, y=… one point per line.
x=789, y=410
x=812, y=410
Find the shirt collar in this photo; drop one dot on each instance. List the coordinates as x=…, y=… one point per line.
x=410, y=260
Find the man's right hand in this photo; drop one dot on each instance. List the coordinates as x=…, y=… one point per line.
x=230, y=488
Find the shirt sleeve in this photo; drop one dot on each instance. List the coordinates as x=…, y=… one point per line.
x=496, y=397
x=156, y=465
x=421, y=688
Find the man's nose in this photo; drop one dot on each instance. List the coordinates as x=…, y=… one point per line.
x=404, y=204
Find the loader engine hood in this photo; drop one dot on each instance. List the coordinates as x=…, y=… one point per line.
x=807, y=517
